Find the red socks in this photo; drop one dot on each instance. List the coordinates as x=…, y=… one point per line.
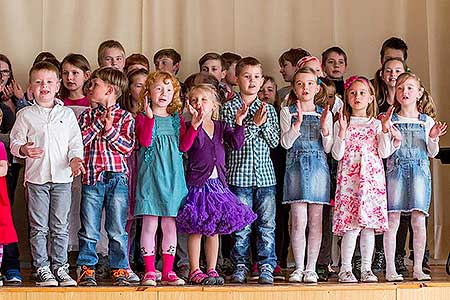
x=149, y=261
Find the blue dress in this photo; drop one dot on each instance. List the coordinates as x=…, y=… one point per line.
x=161, y=186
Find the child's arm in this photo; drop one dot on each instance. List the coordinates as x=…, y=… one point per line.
x=188, y=136
x=144, y=129
x=121, y=140
x=3, y=161
x=76, y=148
x=89, y=128
x=289, y=133
x=270, y=130
x=229, y=116
x=386, y=143
x=19, y=144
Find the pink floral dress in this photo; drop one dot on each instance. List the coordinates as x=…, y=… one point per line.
x=361, y=185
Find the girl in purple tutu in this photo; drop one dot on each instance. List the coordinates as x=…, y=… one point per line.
x=210, y=208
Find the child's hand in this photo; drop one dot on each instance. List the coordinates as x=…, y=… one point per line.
x=323, y=121
x=197, y=117
x=386, y=120
x=438, y=129
x=241, y=114
x=261, y=115
x=298, y=115
x=76, y=164
x=108, y=118
x=148, y=108
x=397, y=136
x=342, y=124
x=17, y=89
x=30, y=151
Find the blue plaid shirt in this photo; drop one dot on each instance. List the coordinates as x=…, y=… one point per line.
x=251, y=166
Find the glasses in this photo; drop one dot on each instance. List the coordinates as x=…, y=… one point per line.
x=5, y=72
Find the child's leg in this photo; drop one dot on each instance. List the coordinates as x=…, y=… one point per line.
x=348, y=245
x=149, y=227
x=390, y=240
x=194, y=243
x=169, y=244
x=314, y=234
x=212, y=251
x=299, y=215
x=367, y=244
x=419, y=239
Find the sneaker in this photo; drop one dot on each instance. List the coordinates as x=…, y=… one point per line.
x=239, y=275
x=218, y=280
x=265, y=275
x=322, y=273
x=197, y=277
x=149, y=279
x=183, y=272
x=310, y=277
x=296, y=276
x=172, y=279
x=347, y=277
x=158, y=275
x=45, y=277
x=133, y=278
x=102, y=269
x=378, y=264
x=254, y=274
x=63, y=277
x=13, y=277
x=394, y=277
x=368, y=276
x=278, y=273
x=400, y=266
x=119, y=277
x=421, y=276
x=86, y=277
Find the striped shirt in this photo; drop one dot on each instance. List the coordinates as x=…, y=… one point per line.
x=106, y=150
x=251, y=166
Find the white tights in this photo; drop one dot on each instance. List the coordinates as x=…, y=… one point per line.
x=366, y=244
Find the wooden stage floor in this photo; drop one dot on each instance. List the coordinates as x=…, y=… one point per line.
x=438, y=288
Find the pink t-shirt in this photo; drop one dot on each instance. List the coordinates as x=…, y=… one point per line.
x=77, y=102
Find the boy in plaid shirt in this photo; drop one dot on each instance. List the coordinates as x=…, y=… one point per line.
x=108, y=137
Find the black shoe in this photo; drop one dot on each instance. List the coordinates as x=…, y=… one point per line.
x=426, y=267
x=322, y=272
x=356, y=266
x=378, y=264
x=400, y=266
x=87, y=276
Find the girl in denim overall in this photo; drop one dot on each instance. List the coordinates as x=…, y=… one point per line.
x=408, y=169
x=306, y=131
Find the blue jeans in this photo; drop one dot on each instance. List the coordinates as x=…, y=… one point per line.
x=113, y=195
x=262, y=201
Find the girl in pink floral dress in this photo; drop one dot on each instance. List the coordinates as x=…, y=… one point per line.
x=360, y=142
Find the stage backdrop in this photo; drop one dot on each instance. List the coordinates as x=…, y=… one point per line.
x=263, y=29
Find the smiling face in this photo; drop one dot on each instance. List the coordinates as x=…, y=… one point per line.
x=305, y=86
x=359, y=98
x=392, y=69
x=161, y=93
x=44, y=86
x=250, y=80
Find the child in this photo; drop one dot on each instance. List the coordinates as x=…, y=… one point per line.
x=163, y=136
x=210, y=208
x=136, y=61
x=360, y=203
x=268, y=93
x=230, y=60
x=251, y=174
x=108, y=136
x=213, y=64
x=306, y=131
x=75, y=73
x=167, y=60
x=47, y=135
x=408, y=173
x=311, y=62
x=288, y=62
x=111, y=54
x=334, y=64
x=385, y=89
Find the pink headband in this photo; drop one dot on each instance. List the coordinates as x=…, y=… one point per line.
x=301, y=63
x=354, y=78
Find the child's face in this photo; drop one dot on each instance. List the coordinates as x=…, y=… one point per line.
x=359, y=97
x=250, y=80
x=334, y=66
x=392, y=70
x=305, y=86
x=136, y=86
x=73, y=78
x=161, y=93
x=213, y=67
x=204, y=100
x=316, y=66
x=99, y=92
x=287, y=70
x=392, y=53
x=44, y=86
x=5, y=73
x=113, y=57
x=166, y=64
x=230, y=78
x=267, y=92
x=331, y=91
x=408, y=92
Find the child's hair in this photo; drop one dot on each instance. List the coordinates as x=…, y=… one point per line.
x=136, y=59
x=107, y=45
x=394, y=43
x=170, y=53
x=211, y=56
x=229, y=58
x=212, y=90
x=277, y=102
x=305, y=59
x=175, y=105
x=381, y=89
x=320, y=99
x=246, y=61
x=293, y=55
x=114, y=77
x=372, y=108
x=47, y=56
x=79, y=61
x=334, y=49
x=425, y=104
x=5, y=59
x=125, y=102
x=44, y=65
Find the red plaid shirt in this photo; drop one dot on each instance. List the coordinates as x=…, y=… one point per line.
x=106, y=150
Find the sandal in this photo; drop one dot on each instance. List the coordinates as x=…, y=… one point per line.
x=198, y=277
x=217, y=278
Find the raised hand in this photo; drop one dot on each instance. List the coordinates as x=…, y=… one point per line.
x=386, y=119
x=323, y=121
x=438, y=129
x=197, y=116
x=298, y=116
x=148, y=108
x=261, y=115
x=76, y=164
x=342, y=119
x=241, y=114
x=108, y=118
x=8, y=91
x=17, y=90
x=30, y=151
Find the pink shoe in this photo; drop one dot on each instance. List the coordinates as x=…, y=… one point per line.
x=172, y=279
x=149, y=279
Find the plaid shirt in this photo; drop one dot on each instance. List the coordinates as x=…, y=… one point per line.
x=106, y=150
x=251, y=166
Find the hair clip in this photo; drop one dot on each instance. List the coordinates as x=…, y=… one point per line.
x=319, y=81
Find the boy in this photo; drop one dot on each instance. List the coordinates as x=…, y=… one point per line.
x=108, y=137
x=288, y=62
x=393, y=47
x=230, y=60
x=251, y=174
x=213, y=64
x=111, y=54
x=334, y=64
x=167, y=60
x=47, y=135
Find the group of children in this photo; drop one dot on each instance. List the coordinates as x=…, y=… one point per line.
x=216, y=155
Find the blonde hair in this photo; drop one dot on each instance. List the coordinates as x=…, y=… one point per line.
x=425, y=104
x=372, y=108
x=175, y=105
x=320, y=99
x=208, y=88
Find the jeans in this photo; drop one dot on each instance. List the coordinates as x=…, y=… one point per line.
x=262, y=201
x=112, y=194
x=48, y=210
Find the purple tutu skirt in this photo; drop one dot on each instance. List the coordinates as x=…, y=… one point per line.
x=213, y=209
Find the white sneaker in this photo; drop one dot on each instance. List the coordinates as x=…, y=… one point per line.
x=347, y=277
x=394, y=277
x=132, y=277
x=310, y=277
x=296, y=276
x=421, y=276
x=368, y=276
x=45, y=277
x=63, y=277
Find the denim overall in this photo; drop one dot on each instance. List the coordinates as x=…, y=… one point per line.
x=307, y=177
x=408, y=170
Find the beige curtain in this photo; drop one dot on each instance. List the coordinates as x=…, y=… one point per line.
x=261, y=28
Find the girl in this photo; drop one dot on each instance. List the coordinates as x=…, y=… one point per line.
x=408, y=172
x=210, y=208
x=75, y=72
x=306, y=131
x=161, y=185
x=360, y=201
x=311, y=62
x=385, y=88
x=268, y=92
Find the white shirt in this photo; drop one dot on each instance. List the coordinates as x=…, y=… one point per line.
x=54, y=130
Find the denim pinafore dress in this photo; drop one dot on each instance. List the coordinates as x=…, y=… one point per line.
x=307, y=177
x=408, y=170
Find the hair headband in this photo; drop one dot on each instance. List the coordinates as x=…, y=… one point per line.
x=301, y=63
x=354, y=78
